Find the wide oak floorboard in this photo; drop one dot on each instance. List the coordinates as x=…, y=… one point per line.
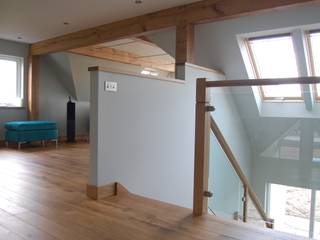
x=43, y=197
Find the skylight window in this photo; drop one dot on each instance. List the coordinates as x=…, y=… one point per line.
x=274, y=57
x=314, y=42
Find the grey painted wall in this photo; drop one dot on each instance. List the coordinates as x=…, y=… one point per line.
x=81, y=77
x=217, y=47
x=53, y=97
x=165, y=39
x=14, y=114
x=63, y=75
x=143, y=135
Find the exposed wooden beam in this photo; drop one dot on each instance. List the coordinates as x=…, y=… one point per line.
x=185, y=43
x=33, y=88
x=202, y=11
x=123, y=57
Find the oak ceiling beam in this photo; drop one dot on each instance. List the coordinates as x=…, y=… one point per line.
x=116, y=55
x=198, y=12
x=185, y=43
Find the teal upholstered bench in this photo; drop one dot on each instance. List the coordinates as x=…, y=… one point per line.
x=30, y=131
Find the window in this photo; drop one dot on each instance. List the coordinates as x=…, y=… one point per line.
x=11, y=85
x=295, y=210
x=314, y=54
x=274, y=57
x=290, y=208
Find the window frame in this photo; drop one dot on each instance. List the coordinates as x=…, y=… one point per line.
x=19, y=80
x=311, y=61
x=254, y=67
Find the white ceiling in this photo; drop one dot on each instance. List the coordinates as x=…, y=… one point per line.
x=36, y=20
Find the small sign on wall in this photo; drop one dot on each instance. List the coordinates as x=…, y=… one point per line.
x=110, y=86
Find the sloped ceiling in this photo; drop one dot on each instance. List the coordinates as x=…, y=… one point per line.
x=136, y=51
x=60, y=64
x=166, y=40
x=217, y=47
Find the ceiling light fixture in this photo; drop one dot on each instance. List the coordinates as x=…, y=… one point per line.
x=145, y=72
x=66, y=23
x=137, y=1
x=19, y=38
x=149, y=71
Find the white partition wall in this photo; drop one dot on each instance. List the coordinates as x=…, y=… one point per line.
x=142, y=135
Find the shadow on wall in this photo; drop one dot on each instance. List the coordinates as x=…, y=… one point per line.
x=54, y=92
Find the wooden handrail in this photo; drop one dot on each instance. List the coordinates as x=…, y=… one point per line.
x=232, y=159
x=263, y=82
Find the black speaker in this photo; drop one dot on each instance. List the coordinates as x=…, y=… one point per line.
x=71, y=121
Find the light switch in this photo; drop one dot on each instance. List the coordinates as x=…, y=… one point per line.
x=110, y=86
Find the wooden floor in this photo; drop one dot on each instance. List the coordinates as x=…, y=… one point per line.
x=42, y=197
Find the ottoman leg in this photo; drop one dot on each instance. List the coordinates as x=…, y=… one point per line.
x=19, y=145
x=42, y=143
x=56, y=143
x=7, y=144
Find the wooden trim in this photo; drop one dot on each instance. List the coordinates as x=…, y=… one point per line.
x=120, y=189
x=109, y=190
x=79, y=138
x=185, y=43
x=263, y=82
x=33, y=88
x=233, y=161
x=203, y=68
x=116, y=55
x=280, y=35
x=111, y=70
x=201, y=150
x=198, y=12
x=97, y=193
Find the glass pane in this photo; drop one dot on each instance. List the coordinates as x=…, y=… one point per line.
x=273, y=142
x=316, y=234
x=315, y=48
x=315, y=43
x=253, y=215
x=8, y=80
x=224, y=184
x=290, y=206
x=275, y=58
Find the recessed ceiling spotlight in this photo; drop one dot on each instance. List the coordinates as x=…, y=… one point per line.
x=145, y=72
x=19, y=38
x=66, y=23
x=137, y=1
